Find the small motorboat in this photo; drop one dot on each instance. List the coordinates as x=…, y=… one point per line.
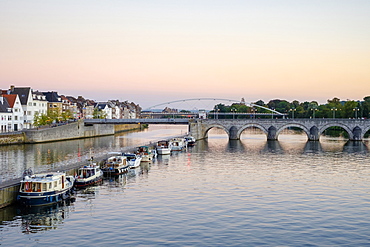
x=147, y=154
x=177, y=144
x=133, y=160
x=163, y=147
x=190, y=140
x=115, y=165
x=45, y=188
x=88, y=175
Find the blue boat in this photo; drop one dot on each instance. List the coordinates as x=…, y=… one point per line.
x=88, y=175
x=45, y=188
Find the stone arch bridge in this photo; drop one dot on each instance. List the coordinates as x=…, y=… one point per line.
x=356, y=128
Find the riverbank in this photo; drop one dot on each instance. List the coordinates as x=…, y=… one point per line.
x=70, y=131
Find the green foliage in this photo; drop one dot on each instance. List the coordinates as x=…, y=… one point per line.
x=334, y=108
x=99, y=114
x=52, y=116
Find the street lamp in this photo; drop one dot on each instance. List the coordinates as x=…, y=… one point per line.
x=293, y=110
x=254, y=112
x=313, y=112
x=356, y=110
x=334, y=110
x=233, y=110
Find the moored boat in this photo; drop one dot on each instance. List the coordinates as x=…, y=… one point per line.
x=115, y=165
x=45, y=188
x=190, y=140
x=88, y=175
x=177, y=144
x=133, y=159
x=163, y=147
x=147, y=154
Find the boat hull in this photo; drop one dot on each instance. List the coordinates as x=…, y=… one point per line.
x=84, y=183
x=116, y=172
x=164, y=151
x=43, y=198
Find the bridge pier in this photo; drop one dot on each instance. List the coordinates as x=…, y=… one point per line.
x=233, y=133
x=357, y=134
x=271, y=134
x=314, y=134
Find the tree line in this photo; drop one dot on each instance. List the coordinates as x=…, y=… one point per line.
x=334, y=108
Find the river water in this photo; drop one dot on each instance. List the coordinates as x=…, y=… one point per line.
x=250, y=192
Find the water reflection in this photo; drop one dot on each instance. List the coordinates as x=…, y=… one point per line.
x=272, y=146
x=312, y=147
x=355, y=147
x=43, y=218
x=235, y=146
x=163, y=159
x=115, y=181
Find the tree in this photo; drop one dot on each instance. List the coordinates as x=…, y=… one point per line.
x=99, y=114
x=66, y=115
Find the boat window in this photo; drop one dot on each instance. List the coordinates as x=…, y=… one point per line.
x=55, y=184
x=38, y=187
x=34, y=189
x=44, y=187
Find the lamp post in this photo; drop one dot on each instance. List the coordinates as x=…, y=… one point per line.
x=313, y=112
x=293, y=110
x=334, y=110
x=233, y=110
x=254, y=112
x=356, y=110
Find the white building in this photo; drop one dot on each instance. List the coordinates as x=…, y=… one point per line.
x=31, y=103
x=11, y=113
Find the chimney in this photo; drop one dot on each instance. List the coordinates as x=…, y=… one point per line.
x=11, y=88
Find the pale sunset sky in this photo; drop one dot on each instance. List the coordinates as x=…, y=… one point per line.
x=150, y=52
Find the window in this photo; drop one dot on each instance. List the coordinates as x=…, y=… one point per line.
x=15, y=117
x=9, y=118
x=34, y=104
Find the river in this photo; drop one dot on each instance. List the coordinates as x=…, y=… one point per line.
x=250, y=192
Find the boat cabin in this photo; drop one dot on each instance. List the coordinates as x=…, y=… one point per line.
x=43, y=182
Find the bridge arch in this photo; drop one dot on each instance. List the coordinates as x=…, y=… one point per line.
x=343, y=126
x=296, y=125
x=364, y=131
x=219, y=126
x=244, y=127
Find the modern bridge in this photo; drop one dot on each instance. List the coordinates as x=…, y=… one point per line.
x=356, y=128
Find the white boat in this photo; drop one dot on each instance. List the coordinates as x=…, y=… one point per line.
x=163, y=147
x=190, y=140
x=88, y=175
x=115, y=165
x=147, y=154
x=133, y=160
x=178, y=144
x=45, y=188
